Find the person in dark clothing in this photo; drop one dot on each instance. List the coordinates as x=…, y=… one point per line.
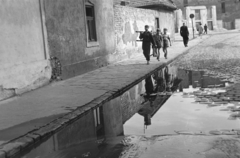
x=184, y=33
x=158, y=41
x=205, y=28
x=147, y=39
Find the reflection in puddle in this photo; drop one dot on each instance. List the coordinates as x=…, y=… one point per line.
x=202, y=104
x=171, y=101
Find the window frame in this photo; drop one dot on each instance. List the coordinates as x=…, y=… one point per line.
x=223, y=7
x=185, y=3
x=209, y=13
x=88, y=3
x=196, y=17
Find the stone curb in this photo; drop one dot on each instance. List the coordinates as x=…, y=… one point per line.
x=23, y=143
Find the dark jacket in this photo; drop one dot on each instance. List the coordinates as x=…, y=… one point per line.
x=184, y=31
x=158, y=40
x=205, y=27
x=147, y=39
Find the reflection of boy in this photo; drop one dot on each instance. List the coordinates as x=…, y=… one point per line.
x=149, y=85
x=168, y=79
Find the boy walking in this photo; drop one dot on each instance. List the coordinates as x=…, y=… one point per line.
x=147, y=39
x=200, y=30
x=158, y=41
x=166, y=42
x=205, y=28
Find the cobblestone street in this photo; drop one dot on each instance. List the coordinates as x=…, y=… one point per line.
x=209, y=125
x=219, y=56
x=120, y=79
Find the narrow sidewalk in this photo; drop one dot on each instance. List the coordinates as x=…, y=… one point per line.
x=32, y=110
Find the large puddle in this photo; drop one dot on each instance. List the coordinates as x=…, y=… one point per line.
x=203, y=103
x=175, y=101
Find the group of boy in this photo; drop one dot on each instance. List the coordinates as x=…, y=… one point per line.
x=162, y=40
x=158, y=40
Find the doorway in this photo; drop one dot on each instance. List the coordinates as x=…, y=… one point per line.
x=230, y=25
x=210, y=25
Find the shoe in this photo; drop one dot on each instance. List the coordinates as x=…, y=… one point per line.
x=165, y=57
x=147, y=62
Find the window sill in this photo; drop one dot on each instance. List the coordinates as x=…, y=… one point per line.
x=93, y=44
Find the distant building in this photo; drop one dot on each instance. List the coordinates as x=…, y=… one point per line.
x=227, y=11
x=202, y=15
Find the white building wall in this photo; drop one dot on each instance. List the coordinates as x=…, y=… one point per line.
x=23, y=51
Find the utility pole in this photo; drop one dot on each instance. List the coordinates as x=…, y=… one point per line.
x=192, y=16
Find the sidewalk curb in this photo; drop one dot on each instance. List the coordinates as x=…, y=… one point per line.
x=24, y=142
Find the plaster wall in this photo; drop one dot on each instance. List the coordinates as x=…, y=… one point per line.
x=23, y=57
x=128, y=20
x=237, y=23
x=66, y=27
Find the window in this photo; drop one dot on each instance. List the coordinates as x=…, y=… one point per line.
x=209, y=13
x=90, y=20
x=223, y=7
x=197, y=14
x=185, y=3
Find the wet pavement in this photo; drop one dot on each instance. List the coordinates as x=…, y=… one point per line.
x=190, y=108
x=191, y=115
x=214, y=104
x=37, y=108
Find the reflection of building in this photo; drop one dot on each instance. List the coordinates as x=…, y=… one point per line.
x=198, y=79
x=228, y=11
x=183, y=74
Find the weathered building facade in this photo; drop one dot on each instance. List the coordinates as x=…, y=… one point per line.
x=228, y=11
x=202, y=15
x=24, y=55
x=78, y=35
x=137, y=14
